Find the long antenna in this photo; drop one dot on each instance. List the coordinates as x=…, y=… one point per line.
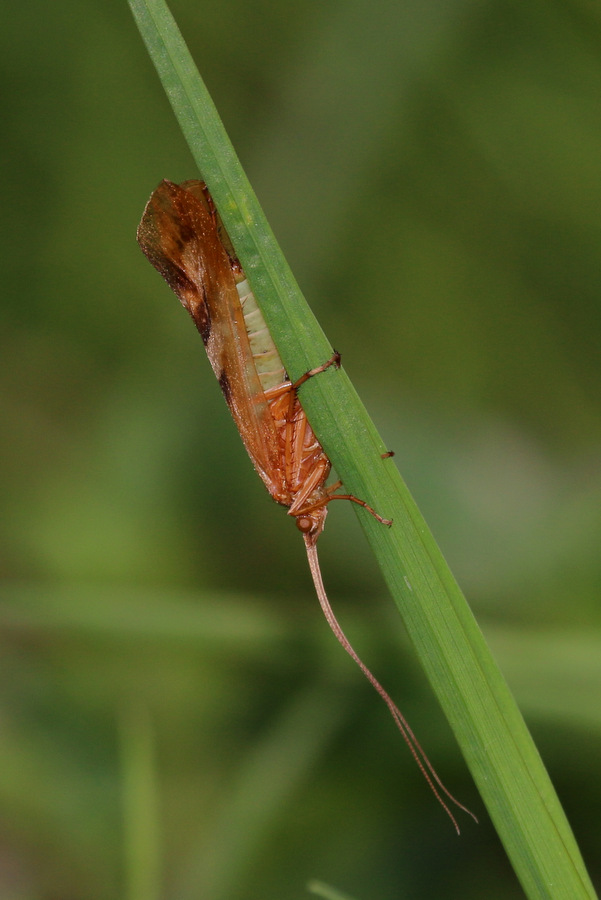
x=424, y=764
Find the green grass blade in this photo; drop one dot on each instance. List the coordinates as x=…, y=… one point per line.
x=238, y=206
x=487, y=723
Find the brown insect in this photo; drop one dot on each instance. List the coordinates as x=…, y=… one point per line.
x=183, y=238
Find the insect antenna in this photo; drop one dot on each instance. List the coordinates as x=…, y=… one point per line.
x=423, y=763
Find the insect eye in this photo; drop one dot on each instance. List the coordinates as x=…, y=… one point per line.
x=304, y=524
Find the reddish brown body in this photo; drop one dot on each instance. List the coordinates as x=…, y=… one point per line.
x=181, y=235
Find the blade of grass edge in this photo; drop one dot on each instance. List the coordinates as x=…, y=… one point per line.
x=486, y=721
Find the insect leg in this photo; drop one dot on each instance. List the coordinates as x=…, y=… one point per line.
x=330, y=492
x=293, y=405
x=316, y=477
x=333, y=496
x=334, y=361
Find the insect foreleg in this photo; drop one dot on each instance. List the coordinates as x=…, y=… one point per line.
x=334, y=361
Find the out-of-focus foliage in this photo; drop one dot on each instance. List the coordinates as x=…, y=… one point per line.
x=176, y=719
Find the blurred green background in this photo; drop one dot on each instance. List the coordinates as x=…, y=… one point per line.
x=177, y=720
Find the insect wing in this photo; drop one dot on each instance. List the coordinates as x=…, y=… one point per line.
x=178, y=236
x=199, y=191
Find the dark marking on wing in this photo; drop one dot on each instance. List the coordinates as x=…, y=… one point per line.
x=202, y=317
x=224, y=384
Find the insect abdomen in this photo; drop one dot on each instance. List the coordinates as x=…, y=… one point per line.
x=268, y=364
